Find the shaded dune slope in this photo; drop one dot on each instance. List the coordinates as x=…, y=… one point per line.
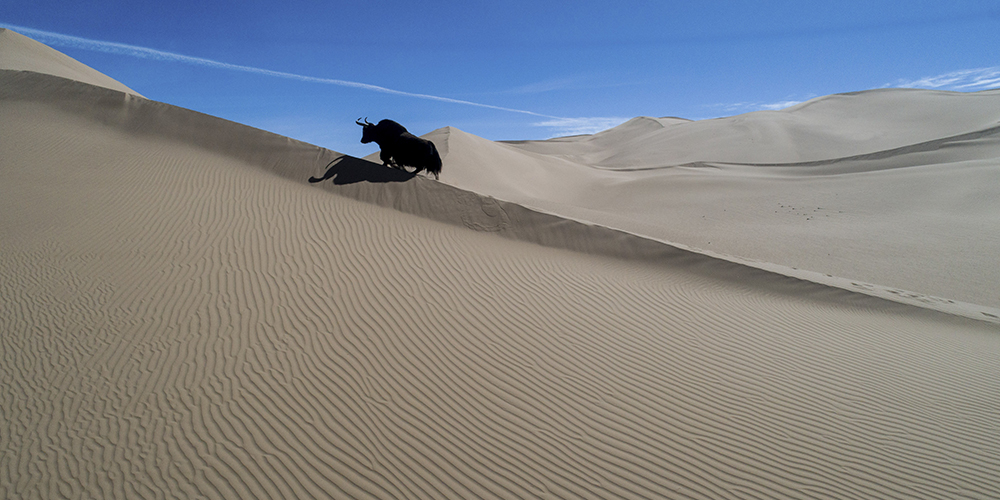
x=184, y=315
x=889, y=187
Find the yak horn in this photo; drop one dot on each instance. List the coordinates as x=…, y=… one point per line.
x=359, y=121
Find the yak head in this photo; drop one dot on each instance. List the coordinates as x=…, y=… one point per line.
x=368, y=134
x=386, y=130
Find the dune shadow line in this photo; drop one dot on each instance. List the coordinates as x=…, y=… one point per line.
x=349, y=170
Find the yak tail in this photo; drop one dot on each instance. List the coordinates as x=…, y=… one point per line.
x=434, y=163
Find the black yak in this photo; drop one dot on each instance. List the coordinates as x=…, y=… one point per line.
x=401, y=148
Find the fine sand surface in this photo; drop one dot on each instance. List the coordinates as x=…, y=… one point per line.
x=184, y=315
x=891, y=189
x=18, y=52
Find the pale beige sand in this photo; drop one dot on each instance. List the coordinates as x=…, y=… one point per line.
x=18, y=52
x=183, y=315
x=893, y=189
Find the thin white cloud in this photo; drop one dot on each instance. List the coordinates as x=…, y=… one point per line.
x=580, y=126
x=775, y=106
x=61, y=40
x=966, y=79
x=747, y=107
x=561, y=125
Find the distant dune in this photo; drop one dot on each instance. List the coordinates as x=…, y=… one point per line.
x=185, y=315
x=891, y=188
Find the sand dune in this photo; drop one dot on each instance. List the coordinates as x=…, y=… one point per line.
x=825, y=128
x=18, y=52
x=185, y=315
x=891, y=188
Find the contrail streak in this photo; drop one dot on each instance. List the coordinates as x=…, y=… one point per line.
x=62, y=40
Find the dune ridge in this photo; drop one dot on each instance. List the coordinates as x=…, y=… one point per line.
x=18, y=52
x=892, y=187
x=184, y=315
x=576, y=231
x=835, y=126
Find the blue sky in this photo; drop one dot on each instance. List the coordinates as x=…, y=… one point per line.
x=511, y=70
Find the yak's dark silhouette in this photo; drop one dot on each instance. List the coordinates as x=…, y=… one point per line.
x=401, y=148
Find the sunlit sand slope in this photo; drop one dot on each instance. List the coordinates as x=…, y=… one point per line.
x=893, y=188
x=183, y=315
x=18, y=52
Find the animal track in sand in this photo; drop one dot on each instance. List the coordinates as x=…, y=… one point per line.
x=809, y=213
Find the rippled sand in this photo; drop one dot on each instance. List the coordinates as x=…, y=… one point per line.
x=184, y=315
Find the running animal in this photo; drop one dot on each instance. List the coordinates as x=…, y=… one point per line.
x=400, y=148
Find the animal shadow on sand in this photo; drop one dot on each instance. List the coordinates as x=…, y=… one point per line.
x=349, y=170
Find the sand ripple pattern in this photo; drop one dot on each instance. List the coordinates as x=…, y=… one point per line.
x=178, y=323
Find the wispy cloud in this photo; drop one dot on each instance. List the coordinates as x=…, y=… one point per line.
x=747, y=107
x=561, y=125
x=61, y=40
x=774, y=106
x=966, y=79
x=579, y=126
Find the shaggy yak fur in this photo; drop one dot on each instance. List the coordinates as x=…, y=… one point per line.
x=400, y=148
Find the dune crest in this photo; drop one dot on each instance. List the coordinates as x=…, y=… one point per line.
x=184, y=314
x=894, y=187
x=18, y=52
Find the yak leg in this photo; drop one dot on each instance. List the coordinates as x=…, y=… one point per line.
x=387, y=160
